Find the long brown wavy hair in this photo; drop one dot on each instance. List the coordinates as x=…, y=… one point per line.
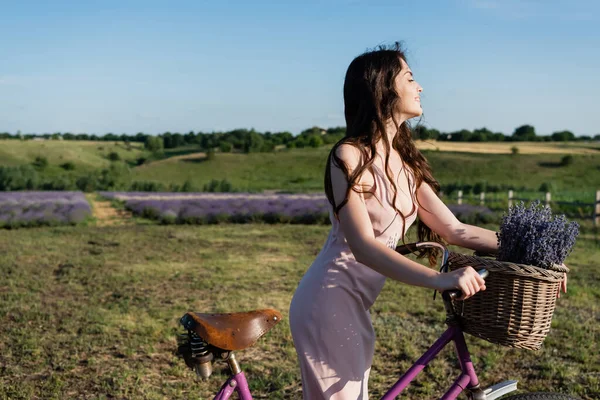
x=370, y=100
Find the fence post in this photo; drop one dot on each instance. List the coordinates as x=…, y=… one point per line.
x=460, y=197
x=597, y=209
x=482, y=198
x=548, y=198
x=510, y=198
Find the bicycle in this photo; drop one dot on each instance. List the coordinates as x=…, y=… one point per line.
x=215, y=336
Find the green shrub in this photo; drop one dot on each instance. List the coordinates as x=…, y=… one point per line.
x=40, y=162
x=566, y=160
x=480, y=187
x=58, y=183
x=210, y=155
x=23, y=177
x=87, y=183
x=68, y=166
x=225, y=147
x=147, y=186
x=546, y=187
x=216, y=185
x=114, y=156
x=315, y=141
x=514, y=150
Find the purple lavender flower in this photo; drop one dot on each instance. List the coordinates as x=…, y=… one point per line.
x=533, y=236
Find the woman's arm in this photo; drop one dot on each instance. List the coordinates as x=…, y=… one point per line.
x=441, y=220
x=436, y=215
x=355, y=223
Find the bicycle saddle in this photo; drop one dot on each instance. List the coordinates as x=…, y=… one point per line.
x=232, y=331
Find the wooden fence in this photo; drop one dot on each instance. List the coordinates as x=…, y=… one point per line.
x=548, y=201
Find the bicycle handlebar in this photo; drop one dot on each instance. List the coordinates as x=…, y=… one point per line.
x=455, y=293
x=413, y=247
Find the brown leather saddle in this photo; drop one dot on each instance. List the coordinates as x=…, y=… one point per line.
x=232, y=331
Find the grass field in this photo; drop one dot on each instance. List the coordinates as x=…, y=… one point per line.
x=89, y=153
x=301, y=170
x=90, y=312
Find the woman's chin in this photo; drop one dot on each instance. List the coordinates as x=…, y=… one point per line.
x=414, y=113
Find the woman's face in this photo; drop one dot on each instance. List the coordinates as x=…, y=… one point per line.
x=409, y=91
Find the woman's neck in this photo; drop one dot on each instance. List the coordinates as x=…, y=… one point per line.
x=390, y=128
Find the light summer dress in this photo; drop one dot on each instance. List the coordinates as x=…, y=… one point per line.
x=329, y=314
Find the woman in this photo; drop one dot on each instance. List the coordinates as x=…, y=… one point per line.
x=377, y=183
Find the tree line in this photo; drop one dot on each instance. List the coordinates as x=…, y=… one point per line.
x=250, y=140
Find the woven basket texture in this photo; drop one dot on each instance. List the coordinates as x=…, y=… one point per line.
x=516, y=308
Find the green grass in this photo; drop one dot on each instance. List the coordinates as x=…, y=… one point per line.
x=86, y=155
x=301, y=170
x=92, y=313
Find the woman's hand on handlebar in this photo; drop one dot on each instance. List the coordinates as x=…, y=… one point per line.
x=467, y=280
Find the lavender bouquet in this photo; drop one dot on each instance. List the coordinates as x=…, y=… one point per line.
x=533, y=236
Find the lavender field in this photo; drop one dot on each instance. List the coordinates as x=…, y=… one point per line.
x=206, y=208
x=18, y=209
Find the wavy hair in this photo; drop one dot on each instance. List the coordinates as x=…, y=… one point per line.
x=370, y=101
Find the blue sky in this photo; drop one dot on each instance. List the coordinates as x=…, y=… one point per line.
x=146, y=66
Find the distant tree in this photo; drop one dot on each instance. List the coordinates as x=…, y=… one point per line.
x=254, y=143
x=315, y=130
x=420, y=132
x=331, y=138
x=111, y=137
x=463, y=135
x=225, y=147
x=563, y=136
x=283, y=137
x=140, y=137
x=338, y=130
x=300, y=142
x=497, y=137
x=178, y=140
x=481, y=135
x=524, y=133
x=433, y=134
x=190, y=137
x=154, y=144
x=315, y=141
x=168, y=140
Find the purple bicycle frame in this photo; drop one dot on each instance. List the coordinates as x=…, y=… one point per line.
x=467, y=379
x=235, y=383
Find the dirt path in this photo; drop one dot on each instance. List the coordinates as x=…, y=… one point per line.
x=106, y=215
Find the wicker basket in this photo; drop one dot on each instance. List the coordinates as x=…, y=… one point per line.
x=516, y=308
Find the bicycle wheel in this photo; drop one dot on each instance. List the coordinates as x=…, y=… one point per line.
x=541, y=396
